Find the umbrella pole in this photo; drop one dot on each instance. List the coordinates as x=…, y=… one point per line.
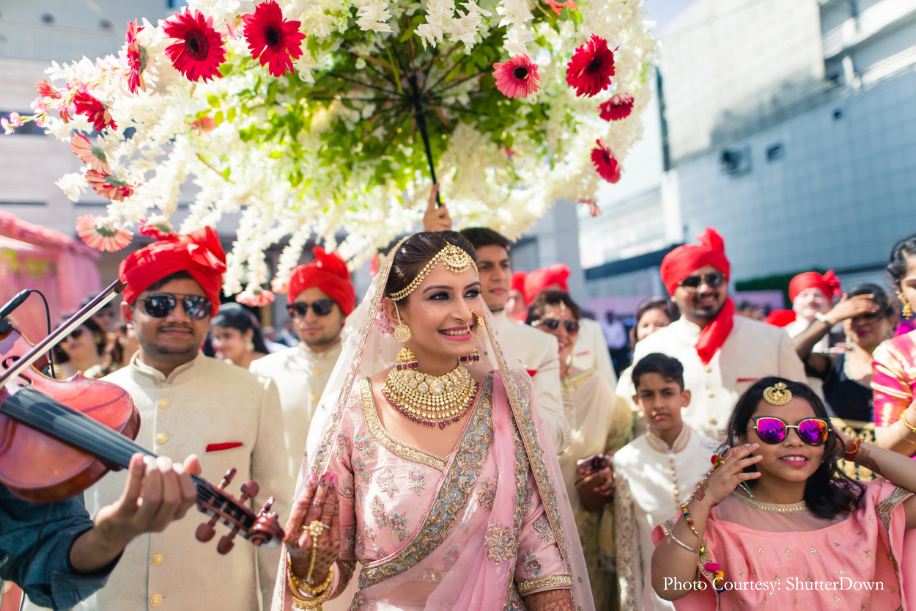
x=420, y=115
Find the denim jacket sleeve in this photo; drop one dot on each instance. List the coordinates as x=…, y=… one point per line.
x=47, y=577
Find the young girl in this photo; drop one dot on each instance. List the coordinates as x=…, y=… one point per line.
x=776, y=521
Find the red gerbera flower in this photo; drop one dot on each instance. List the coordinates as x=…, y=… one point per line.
x=255, y=298
x=92, y=109
x=203, y=125
x=617, y=108
x=46, y=90
x=199, y=50
x=591, y=67
x=137, y=58
x=110, y=186
x=102, y=234
x=606, y=163
x=559, y=6
x=274, y=41
x=92, y=156
x=517, y=78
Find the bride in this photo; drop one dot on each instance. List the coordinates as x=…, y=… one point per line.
x=430, y=468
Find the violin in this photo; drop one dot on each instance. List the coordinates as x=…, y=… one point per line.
x=57, y=438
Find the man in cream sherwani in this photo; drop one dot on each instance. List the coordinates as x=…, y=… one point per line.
x=722, y=354
x=192, y=404
x=321, y=297
x=590, y=351
x=537, y=351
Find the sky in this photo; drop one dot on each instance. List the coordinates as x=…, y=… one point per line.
x=663, y=11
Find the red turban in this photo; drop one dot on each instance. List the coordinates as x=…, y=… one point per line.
x=780, y=318
x=198, y=253
x=684, y=260
x=828, y=284
x=518, y=283
x=540, y=279
x=329, y=273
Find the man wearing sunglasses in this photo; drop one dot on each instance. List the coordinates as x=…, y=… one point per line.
x=722, y=354
x=321, y=297
x=192, y=404
x=537, y=351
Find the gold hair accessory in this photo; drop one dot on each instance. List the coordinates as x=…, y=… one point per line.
x=453, y=258
x=777, y=394
x=906, y=308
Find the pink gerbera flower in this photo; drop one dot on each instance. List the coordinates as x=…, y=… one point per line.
x=255, y=298
x=517, y=78
x=45, y=89
x=593, y=208
x=559, y=6
x=617, y=108
x=92, y=156
x=272, y=40
x=106, y=235
x=591, y=67
x=137, y=58
x=92, y=109
x=199, y=50
x=203, y=125
x=110, y=186
x=605, y=163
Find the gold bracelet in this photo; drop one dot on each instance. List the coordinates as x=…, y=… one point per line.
x=322, y=594
x=906, y=422
x=298, y=584
x=903, y=435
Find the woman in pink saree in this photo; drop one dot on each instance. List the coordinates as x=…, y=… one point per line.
x=429, y=468
x=777, y=521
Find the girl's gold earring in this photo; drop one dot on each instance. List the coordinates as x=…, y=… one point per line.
x=906, y=309
x=402, y=333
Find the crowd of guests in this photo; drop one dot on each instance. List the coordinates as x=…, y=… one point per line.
x=815, y=407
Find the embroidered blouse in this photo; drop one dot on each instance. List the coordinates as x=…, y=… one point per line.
x=389, y=490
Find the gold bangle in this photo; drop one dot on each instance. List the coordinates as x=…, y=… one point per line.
x=322, y=594
x=903, y=435
x=906, y=422
x=298, y=584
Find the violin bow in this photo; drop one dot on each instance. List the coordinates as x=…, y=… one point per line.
x=100, y=301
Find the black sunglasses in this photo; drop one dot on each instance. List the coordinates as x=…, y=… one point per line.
x=712, y=280
x=76, y=333
x=553, y=324
x=160, y=305
x=773, y=430
x=322, y=307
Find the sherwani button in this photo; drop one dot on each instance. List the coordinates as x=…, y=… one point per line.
x=156, y=559
x=163, y=403
x=155, y=600
x=161, y=438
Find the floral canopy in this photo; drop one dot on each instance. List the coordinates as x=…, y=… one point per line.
x=321, y=118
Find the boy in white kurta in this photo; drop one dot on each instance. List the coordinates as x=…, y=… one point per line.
x=653, y=475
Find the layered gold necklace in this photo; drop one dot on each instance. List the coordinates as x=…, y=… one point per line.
x=428, y=399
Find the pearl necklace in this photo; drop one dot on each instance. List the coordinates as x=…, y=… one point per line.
x=428, y=399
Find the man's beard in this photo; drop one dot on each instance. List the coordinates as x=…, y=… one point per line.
x=323, y=340
x=707, y=314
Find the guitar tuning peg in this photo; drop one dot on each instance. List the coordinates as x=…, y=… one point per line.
x=226, y=544
x=267, y=527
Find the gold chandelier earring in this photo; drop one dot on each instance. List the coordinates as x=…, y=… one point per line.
x=906, y=309
x=402, y=333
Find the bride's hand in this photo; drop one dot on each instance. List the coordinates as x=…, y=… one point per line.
x=319, y=502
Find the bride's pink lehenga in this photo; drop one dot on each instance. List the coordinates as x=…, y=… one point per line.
x=476, y=530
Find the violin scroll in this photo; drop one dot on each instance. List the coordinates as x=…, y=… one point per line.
x=261, y=529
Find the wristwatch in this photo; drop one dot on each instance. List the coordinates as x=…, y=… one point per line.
x=823, y=319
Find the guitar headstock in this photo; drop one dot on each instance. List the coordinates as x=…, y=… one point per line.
x=262, y=528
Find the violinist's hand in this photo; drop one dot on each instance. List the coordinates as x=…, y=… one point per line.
x=156, y=494
x=436, y=219
x=318, y=502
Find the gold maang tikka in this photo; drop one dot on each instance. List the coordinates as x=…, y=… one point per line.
x=778, y=394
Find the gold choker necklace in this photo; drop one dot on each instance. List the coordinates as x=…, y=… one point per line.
x=428, y=399
x=800, y=506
